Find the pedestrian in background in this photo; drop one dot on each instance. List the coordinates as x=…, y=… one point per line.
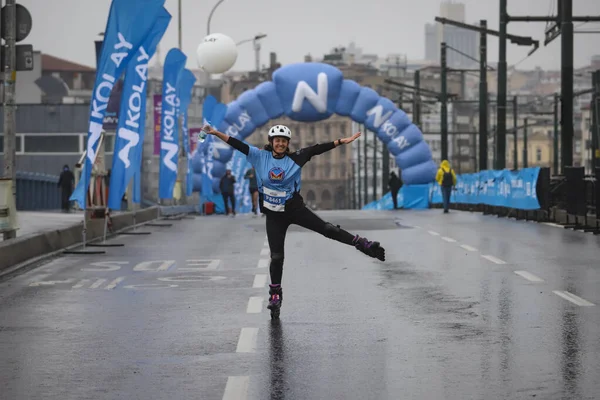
x=395, y=184
x=227, y=186
x=253, y=188
x=446, y=178
x=66, y=181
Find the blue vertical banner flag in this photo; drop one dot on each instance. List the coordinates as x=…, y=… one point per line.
x=213, y=114
x=169, y=131
x=238, y=166
x=128, y=25
x=129, y=140
x=186, y=84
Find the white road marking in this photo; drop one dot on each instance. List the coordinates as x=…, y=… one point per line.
x=247, y=341
x=553, y=224
x=529, y=276
x=572, y=298
x=417, y=226
x=260, y=281
x=263, y=263
x=264, y=252
x=255, y=305
x=433, y=233
x=114, y=283
x=493, y=259
x=191, y=278
x=236, y=388
x=80, y=284
x=447, y=239
x=467, y=247
x=196, y=265
x=150, y=286
x=50, y=283
x=98, y=283
x=164, y=265
x=105, y=266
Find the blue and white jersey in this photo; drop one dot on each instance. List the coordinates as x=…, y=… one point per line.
x=280, y=178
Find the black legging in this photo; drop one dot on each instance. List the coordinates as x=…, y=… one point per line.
x=277, y=225
x=232, y=198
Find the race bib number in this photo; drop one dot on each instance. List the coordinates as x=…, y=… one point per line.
x=274, y=200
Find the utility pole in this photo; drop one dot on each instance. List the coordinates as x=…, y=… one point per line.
x=525, y=154
x=502, y=82
x=179, y=27
x=358, y=176
x=483, y=98
x=416, y=99
x=515, y=123
x=595, y=127
x=556, y=134
x=566, y=84
x=10, y=78
x=354, y=205
x=365, y=176
x=375, y=167
x=444, y=102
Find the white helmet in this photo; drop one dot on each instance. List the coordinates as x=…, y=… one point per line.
x=280, y=130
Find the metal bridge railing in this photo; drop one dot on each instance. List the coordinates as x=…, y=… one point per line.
x=37, y=191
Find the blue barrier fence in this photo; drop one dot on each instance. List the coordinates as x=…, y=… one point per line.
x=37, y=191
x=500, y=188
x=504, y=188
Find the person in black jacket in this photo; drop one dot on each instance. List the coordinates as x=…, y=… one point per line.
x=395, y=184
x=66, y=181
x=227, y=187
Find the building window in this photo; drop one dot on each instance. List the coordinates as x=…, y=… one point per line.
x=327, y=170
x=327, y=131
x=51, y=144
x=343, y=129
x=538, y=154
x=17, y=146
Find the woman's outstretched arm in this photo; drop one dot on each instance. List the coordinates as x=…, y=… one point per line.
x=233, y=142
x=304, y=155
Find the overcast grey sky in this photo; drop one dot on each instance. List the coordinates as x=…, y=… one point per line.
x=68, y=28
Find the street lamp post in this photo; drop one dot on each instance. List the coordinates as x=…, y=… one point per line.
x=256, y=44
x=210, y=16
x=179, y=24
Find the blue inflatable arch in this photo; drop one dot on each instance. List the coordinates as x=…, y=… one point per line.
x=311, y=92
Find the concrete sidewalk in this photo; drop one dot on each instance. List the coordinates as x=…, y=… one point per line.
x=44, y=221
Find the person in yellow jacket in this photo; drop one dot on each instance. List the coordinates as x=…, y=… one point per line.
x=446, y=178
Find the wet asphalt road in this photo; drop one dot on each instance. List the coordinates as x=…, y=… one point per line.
x=465, y=307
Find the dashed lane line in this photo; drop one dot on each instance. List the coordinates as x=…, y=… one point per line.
x=529, y=276
x=260, y=280
x=247, y=340
x=255, y=305
x=493, y=259
x=236, y=388
x=572, y=298
x=448, y=239
x=467, y=247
